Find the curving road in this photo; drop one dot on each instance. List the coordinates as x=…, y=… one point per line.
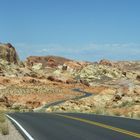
x=75, y=126
x=85, y=94
x=45, y=126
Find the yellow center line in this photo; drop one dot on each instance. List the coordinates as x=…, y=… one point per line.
x=102, y=125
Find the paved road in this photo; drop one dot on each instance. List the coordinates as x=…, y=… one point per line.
x=77, y=126
x=85, y=94
x=72, y=126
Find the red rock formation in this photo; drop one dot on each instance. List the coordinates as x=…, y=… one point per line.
x=106, y=62
x=47, y=61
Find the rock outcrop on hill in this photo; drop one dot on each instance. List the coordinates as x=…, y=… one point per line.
x=98, y=73
x=10, y=65
x=46, y=61
x=106, y=62
x=8, y=53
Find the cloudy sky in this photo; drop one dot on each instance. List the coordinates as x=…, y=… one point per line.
x=78, y=29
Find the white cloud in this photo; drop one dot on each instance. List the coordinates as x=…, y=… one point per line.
x=92, y=51
x=43, y=50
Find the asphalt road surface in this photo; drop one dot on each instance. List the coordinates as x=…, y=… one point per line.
x=74, y=126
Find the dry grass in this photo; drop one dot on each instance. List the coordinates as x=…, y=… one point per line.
x=138, y=116
x=99, y=111
x=3, y=124
x=12, y=90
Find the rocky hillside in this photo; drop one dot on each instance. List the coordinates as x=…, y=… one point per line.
x=130, y=69
x=63, y=68
x=8, y=53
x=95, y=73
x=28, y=84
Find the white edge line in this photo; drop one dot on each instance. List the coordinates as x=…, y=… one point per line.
x=23, y=130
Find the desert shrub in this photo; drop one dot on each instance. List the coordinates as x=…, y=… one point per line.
x=138, y=115
x=3, y=124
x=4, y=128
x=27, y=90
x=117, y=113
x=99, y=110
x=2, y=118
x=126, y=104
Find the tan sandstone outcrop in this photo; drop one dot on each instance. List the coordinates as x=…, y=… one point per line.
x=8, y=53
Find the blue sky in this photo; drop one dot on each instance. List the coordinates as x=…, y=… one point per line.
x=78, y=29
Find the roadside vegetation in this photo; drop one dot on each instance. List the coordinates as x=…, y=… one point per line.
x=102, y=111
x=19, y=90
x=4, y=130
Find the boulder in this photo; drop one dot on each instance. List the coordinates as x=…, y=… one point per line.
x=138, y=77
x=56, y=79
x=71, y=81
x=4, y=101
x=33, y=104
x=8, y=53
x=37, y=66
x=106, y=62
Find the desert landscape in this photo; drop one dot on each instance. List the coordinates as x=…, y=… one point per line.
x=40, y=80
x=30, y=85
x=70, y=70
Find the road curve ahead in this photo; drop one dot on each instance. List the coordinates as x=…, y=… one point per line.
x=85, y=94
x=72, y=126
